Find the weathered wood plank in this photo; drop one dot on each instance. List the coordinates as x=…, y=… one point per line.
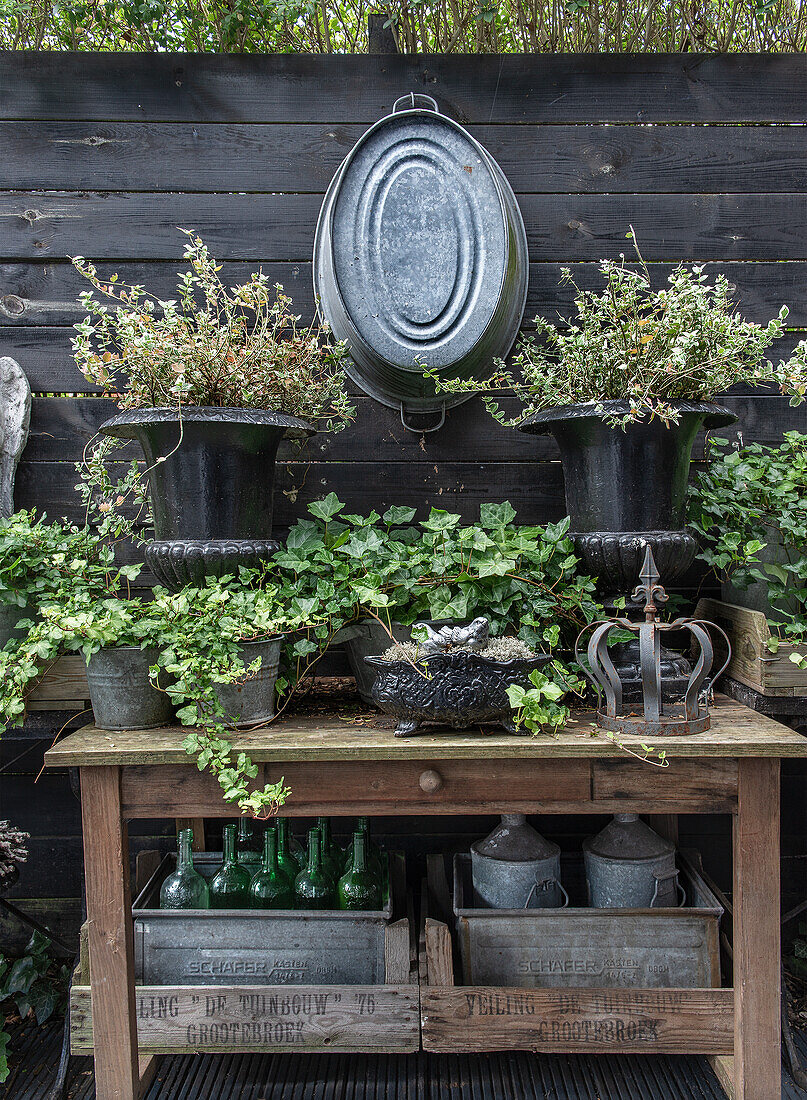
x=756, y=934
x=494, y=89
x=751, y=662
x=736, y=731
x=221, y=156
x=65, y=680
x=62, y=427
x=397, y=964
x=468, y=1019
x=439, y=960
x=700, y=781
x=535, y=489
x=220, y=1019
x=563, y=228
x=47, y=293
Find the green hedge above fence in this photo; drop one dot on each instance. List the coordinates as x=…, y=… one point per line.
x=425, y=26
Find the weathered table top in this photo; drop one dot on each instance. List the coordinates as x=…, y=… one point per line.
x=736, y=731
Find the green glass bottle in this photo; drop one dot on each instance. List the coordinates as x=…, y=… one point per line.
x=270, y=887
x=375, y=857
x=359, y=888
x=333, y=858
x=249, y=845
x=185, y=888
x=294, y=845
x=313, y=887
x=289, y=864
x=229, y=887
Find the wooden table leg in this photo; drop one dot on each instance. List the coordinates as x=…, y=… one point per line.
x=757, y=1023
x=110, y=935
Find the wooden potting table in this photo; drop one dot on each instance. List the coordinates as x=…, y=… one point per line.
x=337, y=768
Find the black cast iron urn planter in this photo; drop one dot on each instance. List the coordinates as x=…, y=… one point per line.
x=626, y=488
x=211, y=476
x=626, y=491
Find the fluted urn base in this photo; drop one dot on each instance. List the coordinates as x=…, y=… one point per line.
x=178, y=562
x=616, y=556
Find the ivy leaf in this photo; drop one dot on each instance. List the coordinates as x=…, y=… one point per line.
x=557, y=531
x=326, y=508
x=440, y=520
x=21, y=977
x=398, y=516
x=496, y=515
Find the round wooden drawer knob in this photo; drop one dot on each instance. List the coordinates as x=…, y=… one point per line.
x=430, y=782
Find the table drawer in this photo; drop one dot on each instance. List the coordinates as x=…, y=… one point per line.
x=372, y=787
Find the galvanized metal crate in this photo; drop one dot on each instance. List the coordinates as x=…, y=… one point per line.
x=582, y=947
x=252, y=946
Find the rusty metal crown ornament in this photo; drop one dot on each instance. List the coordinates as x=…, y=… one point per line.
x=653, y=716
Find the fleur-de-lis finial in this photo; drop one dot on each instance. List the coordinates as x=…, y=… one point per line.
x=649, y=590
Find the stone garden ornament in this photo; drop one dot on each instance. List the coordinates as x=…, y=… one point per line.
x=15, y=416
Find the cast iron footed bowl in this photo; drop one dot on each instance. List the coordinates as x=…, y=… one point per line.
x=459, y=689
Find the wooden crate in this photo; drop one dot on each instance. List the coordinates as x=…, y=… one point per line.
x=752, y=664
x=272, y=1018
x=468, y=1019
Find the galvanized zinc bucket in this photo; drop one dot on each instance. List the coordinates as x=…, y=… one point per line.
x=122, y=696
x=420, y=257
x=253, y=701
x=514, y=867
x=629, y=866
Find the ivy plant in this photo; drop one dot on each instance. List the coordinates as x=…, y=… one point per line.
x=35, y=984
x=749, y=509
x=198, y=633
x=525, y=579
x=41, y=561
x=338, y=567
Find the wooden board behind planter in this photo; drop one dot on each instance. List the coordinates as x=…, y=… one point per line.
x=62, y=687
x=751, y=661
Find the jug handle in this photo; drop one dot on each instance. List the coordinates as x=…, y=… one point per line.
x=682, y=896
x=555, y=882
x=411, y=97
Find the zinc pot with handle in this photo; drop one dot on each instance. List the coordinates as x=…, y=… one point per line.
x=629, y=866
x=253, y=701
x=122, y=696
x=514, y=867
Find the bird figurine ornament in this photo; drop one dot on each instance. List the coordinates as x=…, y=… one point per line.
x=474, y=636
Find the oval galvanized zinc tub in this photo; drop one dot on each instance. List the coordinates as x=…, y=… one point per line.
x=420, y=257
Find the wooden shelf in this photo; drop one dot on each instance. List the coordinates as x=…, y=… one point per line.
x=736, y=731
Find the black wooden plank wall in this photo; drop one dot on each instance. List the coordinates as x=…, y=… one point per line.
x=105, y=155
